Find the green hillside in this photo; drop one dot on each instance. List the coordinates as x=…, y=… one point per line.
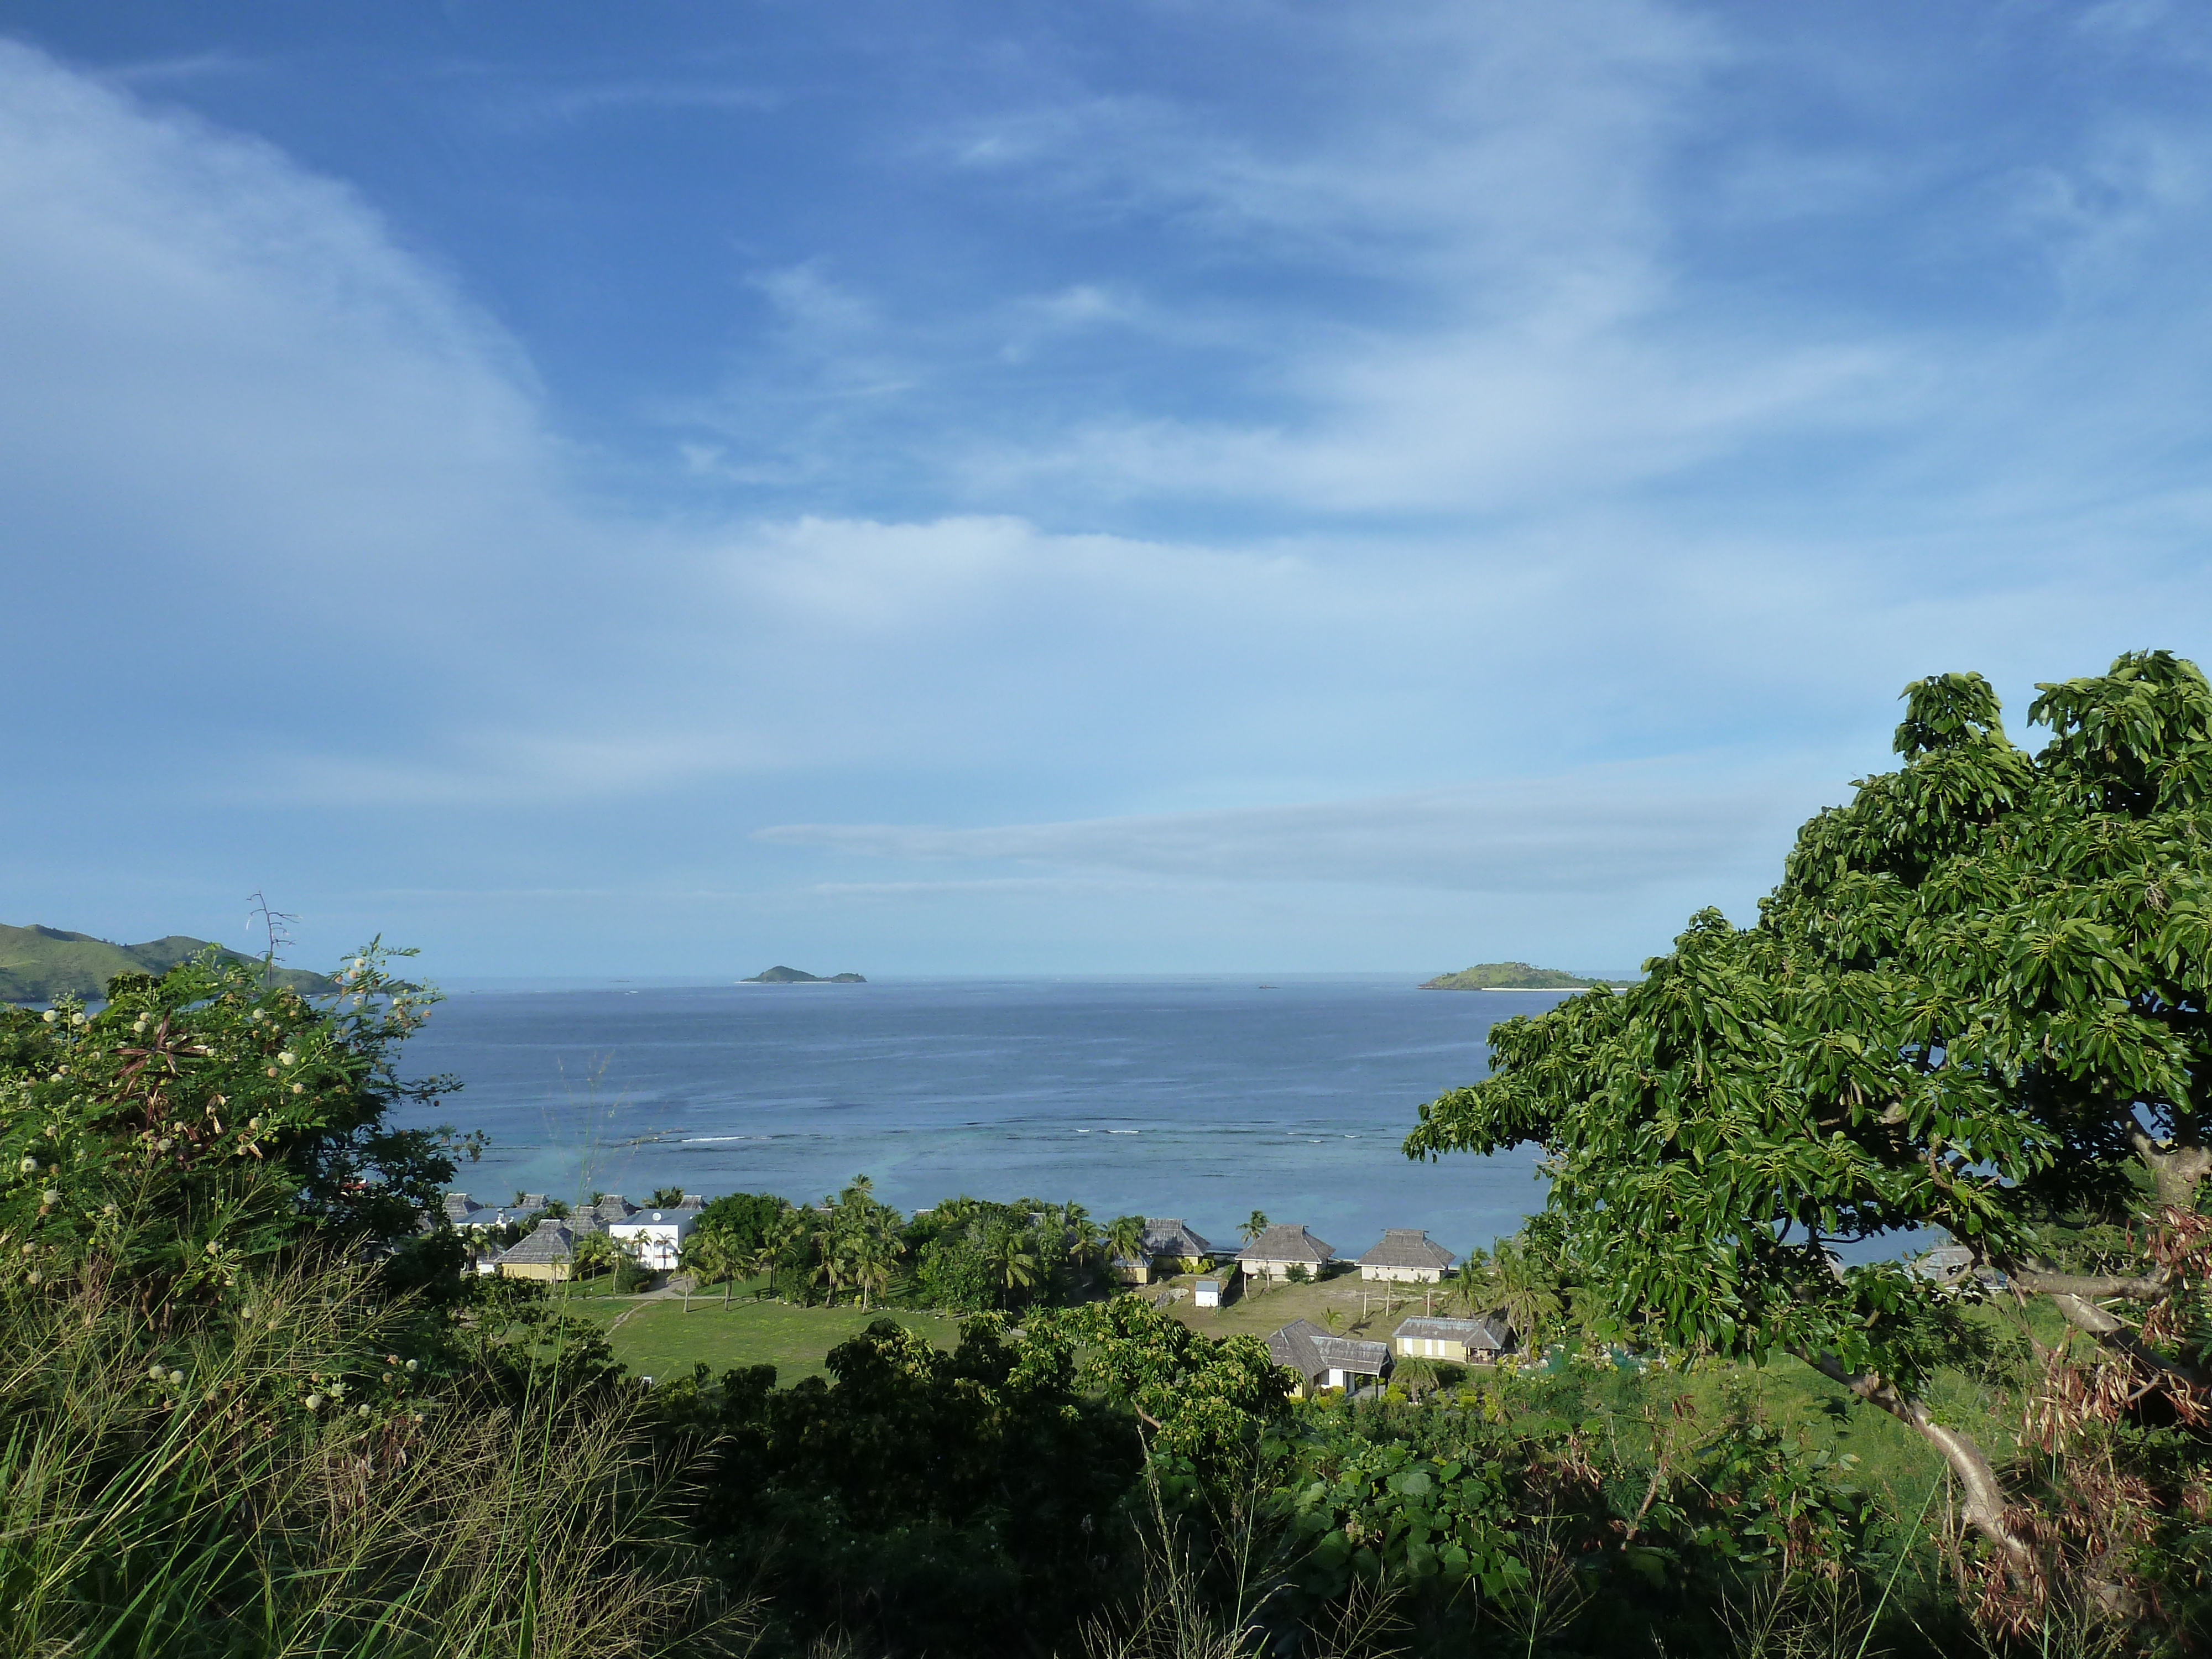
x=782, y=976
x=1514, y=976
x=38, y=965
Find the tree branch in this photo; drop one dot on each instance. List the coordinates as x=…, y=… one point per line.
x=1984, y=1506
x=2145, y=1287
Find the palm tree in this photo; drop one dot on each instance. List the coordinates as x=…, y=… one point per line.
x=1125, y=1237
x=1416, y=1377
x=875, y=1253
x=1528, y=1287
x=1255, y=1225
x=781, y=1247
x=593, y=1251
x=1084, y=1239
x=1009, y=1263
x=713, y=1254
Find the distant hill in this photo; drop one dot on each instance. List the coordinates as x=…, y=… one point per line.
x=1514, y=976
x=793, y=976
x=38, y=965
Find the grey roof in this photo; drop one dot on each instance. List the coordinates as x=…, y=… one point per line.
x=1307, y=1349
x=1490, y=1332
x=1946, y=1264
x=1284, y=1243
x=612, y=1206
x=552, y=1241
x=1168, y=1236
x=459, y=1207
x=1407, y=1247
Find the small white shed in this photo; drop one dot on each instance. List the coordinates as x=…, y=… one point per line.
x=1209, y=1293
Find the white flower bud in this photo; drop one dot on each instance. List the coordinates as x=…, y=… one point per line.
x=176, y=1379
x=286, y=1058
x=363, y=1410
x=29, y=1166
x=299, y=1088
x=79, y=1019
x=50, y=1016
x=314, y=1402
x=153, y=1373
x=49, y=1196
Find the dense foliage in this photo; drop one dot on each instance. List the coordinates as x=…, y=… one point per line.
x=966, y=1255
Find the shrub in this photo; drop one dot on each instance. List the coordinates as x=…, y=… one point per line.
x=266, y=1475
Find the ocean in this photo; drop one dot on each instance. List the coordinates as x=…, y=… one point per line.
x=1203, y=1098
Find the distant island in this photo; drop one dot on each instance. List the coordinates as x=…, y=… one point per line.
x=1514, y=976
x=38, y=965
x=793, y=976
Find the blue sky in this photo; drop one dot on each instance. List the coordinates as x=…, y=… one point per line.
x=933, y=487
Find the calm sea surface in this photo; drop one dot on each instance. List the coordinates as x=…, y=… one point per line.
x=1202, y=1098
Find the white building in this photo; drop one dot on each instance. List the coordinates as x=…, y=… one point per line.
x=657, y=1236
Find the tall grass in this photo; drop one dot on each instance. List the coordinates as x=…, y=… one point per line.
x=258, y=1479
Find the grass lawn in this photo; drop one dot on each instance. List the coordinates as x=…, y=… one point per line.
x=1256, y=1313
x=659, y=1339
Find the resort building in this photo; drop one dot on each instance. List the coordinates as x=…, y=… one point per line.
x=1407, y=1256
x=1169, y=1245
x=657, y=1236
x=1462, y=1342
x=461, y=1212
x=1282, y=1247
x=548, y=1253
x=1322, y=1361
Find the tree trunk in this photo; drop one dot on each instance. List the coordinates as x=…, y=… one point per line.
x=1984, y=1506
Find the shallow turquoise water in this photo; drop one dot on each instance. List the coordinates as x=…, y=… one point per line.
x=1203, y=1098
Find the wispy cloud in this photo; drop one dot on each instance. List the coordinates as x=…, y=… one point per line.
x=1606, y=829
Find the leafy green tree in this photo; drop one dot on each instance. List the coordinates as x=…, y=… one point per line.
x=745, y=1219
x=665, y=1198
x=1255, y=1225
x=1976, y=1002
x=1203, y=1400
